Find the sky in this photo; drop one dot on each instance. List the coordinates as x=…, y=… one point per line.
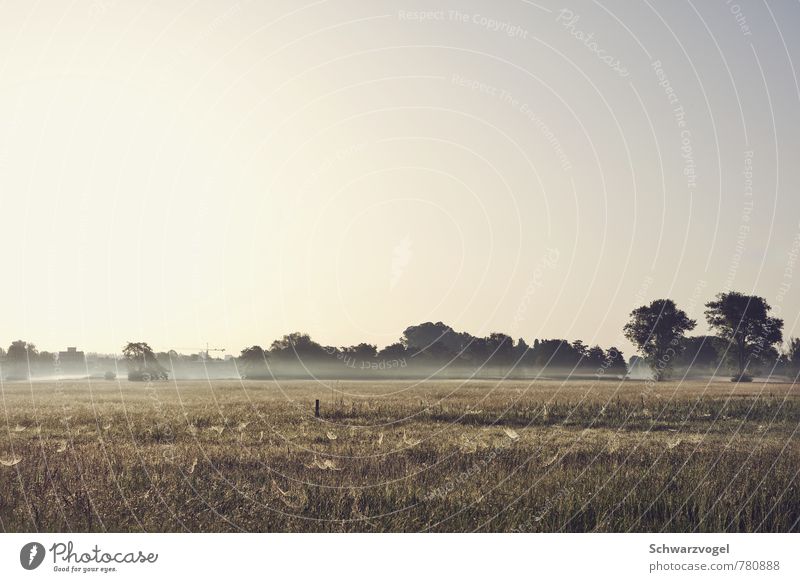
x=186, y=172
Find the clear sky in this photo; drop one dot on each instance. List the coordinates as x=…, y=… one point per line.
x=180, y=172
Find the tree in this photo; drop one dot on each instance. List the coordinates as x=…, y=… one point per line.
x=436, y=340
x=521, y=353
x=657, y=330
x=501, y=349
x=360, y=354
x=21, y=351
x=142, y=362
x=555, y=354
x=253, y=362
x=477, y=352
x=20, y=356
x=594, y=359
x=395, y=351
x=615, y=362
x=298, y=346
x=699, y=354
x=580, y=348
x=792, y=356
x=744, y=321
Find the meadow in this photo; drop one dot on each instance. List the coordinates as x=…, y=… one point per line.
x=399, y=456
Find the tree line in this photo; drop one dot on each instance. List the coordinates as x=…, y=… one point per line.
x=745, y=342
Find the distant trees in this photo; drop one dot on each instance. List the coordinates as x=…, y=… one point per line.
x=615, y=362
x=361, y=352
x=297, y=346
x=431, y=349
x=20, y=359
x=21, y=351
x=657, y=330
x=434, y=339
x=742, y=326
x=501, y=350
x=744, y=321
x=792, y=356
x=252, y=362
x=142, y=363
x=700, y=354
x=555, y=353
x=395, y=351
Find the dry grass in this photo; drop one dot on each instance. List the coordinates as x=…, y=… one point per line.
x=399, y=456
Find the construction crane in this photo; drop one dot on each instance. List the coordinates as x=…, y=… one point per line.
x=203, y=351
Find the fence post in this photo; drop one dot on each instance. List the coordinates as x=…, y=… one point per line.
x=316, y=409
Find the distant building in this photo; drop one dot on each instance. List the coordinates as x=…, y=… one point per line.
x=72, y=361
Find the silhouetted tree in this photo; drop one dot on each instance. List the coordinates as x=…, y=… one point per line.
x=20, y=357
x=395, y=351
x=298, y=345
x=556, y=354
x=477, y=352
x=699, y=354
x=142, y=362
x=580, y=348
x=252, y=362
x=436, y=340
x=614, y=362
x=362, y=352
x=521, y=353
x=501, y=349
x=657, y=330
x=21, y=351
x=744, y=321
x=595, y=358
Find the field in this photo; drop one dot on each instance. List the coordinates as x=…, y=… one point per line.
x=399, y=456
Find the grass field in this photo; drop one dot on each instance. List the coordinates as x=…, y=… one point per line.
x=399, y=456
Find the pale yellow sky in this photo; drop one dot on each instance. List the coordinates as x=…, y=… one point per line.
x=189, y=172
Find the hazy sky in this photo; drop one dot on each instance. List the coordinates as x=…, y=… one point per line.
x=181, y=172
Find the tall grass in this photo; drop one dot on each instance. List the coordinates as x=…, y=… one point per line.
x=399, y=457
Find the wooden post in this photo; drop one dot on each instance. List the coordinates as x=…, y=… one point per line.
x=316, y=408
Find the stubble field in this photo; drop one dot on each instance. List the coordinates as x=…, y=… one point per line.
x=399, y=456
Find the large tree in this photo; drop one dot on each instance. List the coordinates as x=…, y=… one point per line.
x=657, y=330
x=142, y=362
x=744, y=321
x=252, y=362
x=21, y=351
x=20, y=357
